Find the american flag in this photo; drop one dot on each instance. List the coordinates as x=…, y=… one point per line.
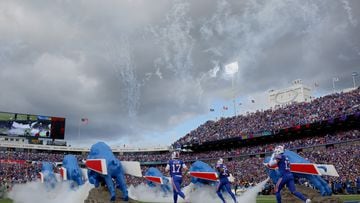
x=84, y=121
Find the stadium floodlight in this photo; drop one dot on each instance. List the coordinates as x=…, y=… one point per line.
x=354, y=74
x=335, y=79
x=231, y=69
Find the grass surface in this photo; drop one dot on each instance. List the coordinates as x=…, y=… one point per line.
x=5, y=201
x=271, y=198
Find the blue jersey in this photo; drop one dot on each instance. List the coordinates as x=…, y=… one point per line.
x=287, y=178
x=283, y=164
x=175, y=167
x=224, y=182
x=223, y=171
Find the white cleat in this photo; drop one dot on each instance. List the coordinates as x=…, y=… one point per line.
x=308, y=201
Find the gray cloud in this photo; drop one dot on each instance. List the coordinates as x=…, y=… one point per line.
x=143, y=67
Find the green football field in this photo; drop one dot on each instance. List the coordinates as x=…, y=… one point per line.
x=265, y=199
x=345, y=198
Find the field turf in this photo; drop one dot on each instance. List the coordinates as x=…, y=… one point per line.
x=345, y=198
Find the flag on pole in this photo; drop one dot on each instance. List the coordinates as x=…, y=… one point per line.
x=84, y=121
x=212, y=109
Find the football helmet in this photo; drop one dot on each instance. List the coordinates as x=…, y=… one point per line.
x=279, y=150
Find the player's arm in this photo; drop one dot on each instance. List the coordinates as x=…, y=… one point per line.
x=167, y=168
x=185, y=168
x=231, y=178
x=274, y=161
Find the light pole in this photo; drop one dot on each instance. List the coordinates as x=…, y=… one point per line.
x=232, y=69
x=233, y=91
x=354, y=74
x=335, y=79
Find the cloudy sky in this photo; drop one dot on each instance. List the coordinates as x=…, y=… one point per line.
x=147, y=72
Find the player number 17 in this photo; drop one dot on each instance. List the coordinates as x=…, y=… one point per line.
x=176, y=168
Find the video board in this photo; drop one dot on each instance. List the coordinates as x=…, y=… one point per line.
x=28, y=125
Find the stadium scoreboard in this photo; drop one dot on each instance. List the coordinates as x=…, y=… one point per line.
x=31, y=126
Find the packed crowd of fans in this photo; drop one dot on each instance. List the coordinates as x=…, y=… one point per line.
x=11, y=173
x=346, y=159
x=325, y=108
x=341, y=149
x=248, y=170
x=30, y=156
x=164, y=156
x=242, y=151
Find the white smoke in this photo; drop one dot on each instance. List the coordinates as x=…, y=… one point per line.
x=145, y=193
x=206, y=194
x=250, y=195
x=175, y=40
x=120, y=57
x=346, y=6
x=35, y=192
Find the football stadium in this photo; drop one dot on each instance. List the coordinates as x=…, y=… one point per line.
x=323, y=131
x=180, y=101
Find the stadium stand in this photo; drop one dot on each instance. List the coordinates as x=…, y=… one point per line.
x=323, y=131
x=270, y=122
